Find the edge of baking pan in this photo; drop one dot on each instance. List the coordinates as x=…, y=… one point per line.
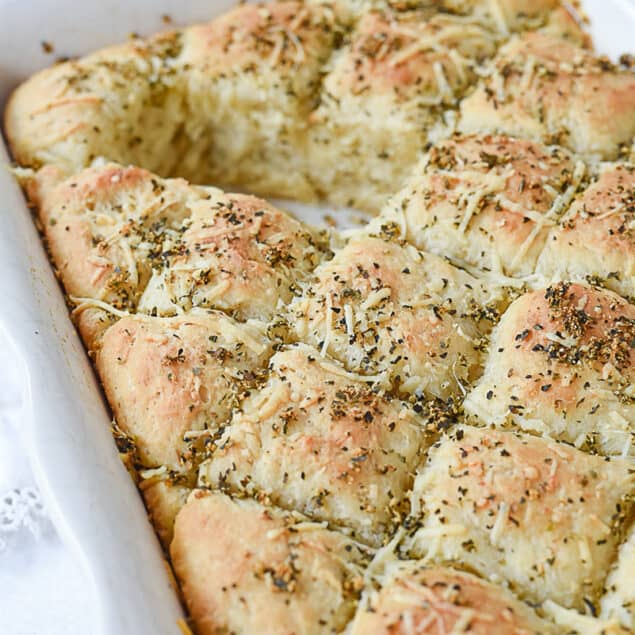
x=92, y=500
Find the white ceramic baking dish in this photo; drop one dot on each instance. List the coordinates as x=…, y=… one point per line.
x=93, y=501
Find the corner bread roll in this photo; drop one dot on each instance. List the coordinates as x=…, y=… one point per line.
x=126, y=237
x=540, y=515
x=124, y=103
x=416, y=598
x=173, y=382
x=386, y=89
x=253, y=76
x=484, y=200
x=381, y=307
x=104, y=226
x=618, y=601
x=561, y=363
x=324, y=442
x=250, y=570
x=596, y=238
x=544, y=88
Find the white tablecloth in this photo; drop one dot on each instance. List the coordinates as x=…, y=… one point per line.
x=43, y=591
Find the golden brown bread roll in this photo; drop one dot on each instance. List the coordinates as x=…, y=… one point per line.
x=384, y=93
x=324, y=442
x=594, y=240
x=249, y=569
x=485, y=200
x=383, y=307
x=541, y=515
x=237, y=253
x=253, y=77
x=415, y=598
x=561, y=364
x=173, y=382
x=124, y=103
x=99, y=227
x=542, y=87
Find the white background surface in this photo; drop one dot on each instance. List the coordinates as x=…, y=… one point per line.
x=43, y=589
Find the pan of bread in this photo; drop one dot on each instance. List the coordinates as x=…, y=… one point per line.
x=423, y=423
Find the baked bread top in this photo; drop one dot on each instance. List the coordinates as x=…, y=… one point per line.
x=561, y=363
x=543, y=87
x=412, y=595
x=284, y=573
x=421, y=425
x=545, y=517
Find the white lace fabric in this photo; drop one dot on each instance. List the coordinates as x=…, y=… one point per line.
x=43, y=591
x=21, y=512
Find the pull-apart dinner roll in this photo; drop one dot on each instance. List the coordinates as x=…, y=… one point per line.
x=485, y=200
x=618, y=601
x=323, y=441
x=173, y=382
x=237, y=253
x=250, y=570
x=124, y=236
x=104, y=226
x=417, y=598
x=253, y=76
x=540, y=515
x=595, y=240
x=542, y=87
x=561, y=363
x=125, y=103
x=384, y=307
x=386, y=89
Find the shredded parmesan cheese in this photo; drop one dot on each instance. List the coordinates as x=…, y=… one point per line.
x=342, y=372
x=328, y=325
x=499, y=524
x=349, y=320
x=559, y=204
x=88, y=303
x=375, y=298
x=499, y=16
